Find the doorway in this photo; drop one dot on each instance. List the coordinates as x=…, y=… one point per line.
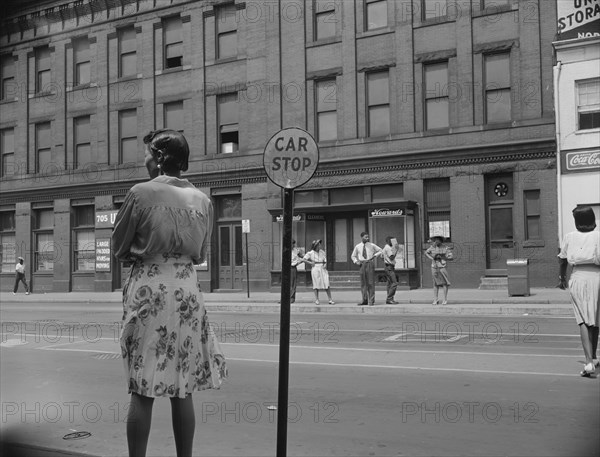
x=230, y=256
x=346, y=234
x=499, y=220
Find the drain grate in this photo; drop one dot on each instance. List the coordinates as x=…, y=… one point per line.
x=107, y=356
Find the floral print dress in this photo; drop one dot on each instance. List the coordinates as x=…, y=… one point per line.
x=167, y=344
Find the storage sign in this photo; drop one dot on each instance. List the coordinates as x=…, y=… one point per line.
x=578, y=19
x=291, y=157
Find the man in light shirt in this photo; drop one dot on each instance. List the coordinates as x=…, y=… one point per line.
x=20, y=276
x=389, y=257
x=364, y=254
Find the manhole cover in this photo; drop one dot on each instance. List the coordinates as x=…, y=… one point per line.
x=77, y=435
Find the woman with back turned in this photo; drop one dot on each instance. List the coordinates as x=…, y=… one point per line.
x=581, y=249
x=168, y=347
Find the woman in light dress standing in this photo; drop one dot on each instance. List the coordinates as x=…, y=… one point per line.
x=581, y=249
x=320, y=276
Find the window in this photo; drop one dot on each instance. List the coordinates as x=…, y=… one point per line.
x=588, y=104
x=127, y=52
x=433, y=8
x=8, y=257
x=7, y=70
x=437, y=206
x=324, y=19
x=173, y=42
x=173, y=115
x=43, y=73
x=84, y=249
x=228, y=123
x=533, y=228
x=128, y=141
x=81, y=142
x=497, y=88
x=44, y=240
x=7, y=150
x=81, y=61
x=43, y=146
x=375, y=14
x=326, y=104
x=226, y=29
x=378, y=103
x=436, y=96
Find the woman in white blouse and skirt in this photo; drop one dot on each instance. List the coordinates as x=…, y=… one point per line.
x=581, y=249
x=320, y=276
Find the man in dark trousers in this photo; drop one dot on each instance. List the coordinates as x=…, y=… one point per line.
x=364, y=254
x=296, y=260
x=20, y=276
x=389, y=257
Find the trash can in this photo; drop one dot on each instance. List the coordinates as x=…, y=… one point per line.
x=518, y=277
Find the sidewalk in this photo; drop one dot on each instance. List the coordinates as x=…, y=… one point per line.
x=541, y=301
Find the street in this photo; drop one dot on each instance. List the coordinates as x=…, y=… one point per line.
x=405, y=385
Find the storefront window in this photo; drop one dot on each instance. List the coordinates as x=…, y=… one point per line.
x=7, y=241
x=44, y=240
x=305, y=229
x=398, y=224
x=84, y=254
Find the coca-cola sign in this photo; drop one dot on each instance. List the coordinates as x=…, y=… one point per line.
x=582, y=160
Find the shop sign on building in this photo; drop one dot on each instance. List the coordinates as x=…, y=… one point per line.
x=581, y=161
x=578, y=19
x=102, y=254
x=106, y=219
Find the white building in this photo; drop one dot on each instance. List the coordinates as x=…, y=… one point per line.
x=577, y=106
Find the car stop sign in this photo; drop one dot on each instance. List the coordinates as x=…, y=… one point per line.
x=291, y=157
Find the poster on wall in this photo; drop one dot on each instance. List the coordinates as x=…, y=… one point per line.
x=439, y=228
x=102, y=254
x=578, y=19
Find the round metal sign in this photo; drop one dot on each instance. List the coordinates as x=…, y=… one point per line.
x=291, y=157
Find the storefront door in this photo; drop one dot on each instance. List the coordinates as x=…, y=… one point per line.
x=346, y=234
x=230, y=256
x=500, y=230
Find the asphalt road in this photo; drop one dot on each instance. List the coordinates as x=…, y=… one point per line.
x=359, y=386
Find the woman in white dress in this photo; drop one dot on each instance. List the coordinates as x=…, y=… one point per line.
x=581, y=249
x=320, y=277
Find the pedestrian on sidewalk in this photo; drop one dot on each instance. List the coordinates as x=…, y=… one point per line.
x=389, y=257
x=296, y=260
x=20, y=276
x=439, y=253
x=317, y=259
x=168, y=347
x=364, y=254
x=581, y=249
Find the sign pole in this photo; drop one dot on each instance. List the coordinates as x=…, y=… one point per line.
x=290, y=159
x=247, y=267
x=284, y=338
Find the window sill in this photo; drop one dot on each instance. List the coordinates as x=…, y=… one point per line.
x=375, y=32
x=42, y=94
x=9, y=100
x=586, y=131
x=80, y=86
x=44, y=273
x=226, y=59
x=122, y=79
x=169, y=70
x=434, y=21
x=324, y=42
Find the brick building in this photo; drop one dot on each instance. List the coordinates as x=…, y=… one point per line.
x=431, y=117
